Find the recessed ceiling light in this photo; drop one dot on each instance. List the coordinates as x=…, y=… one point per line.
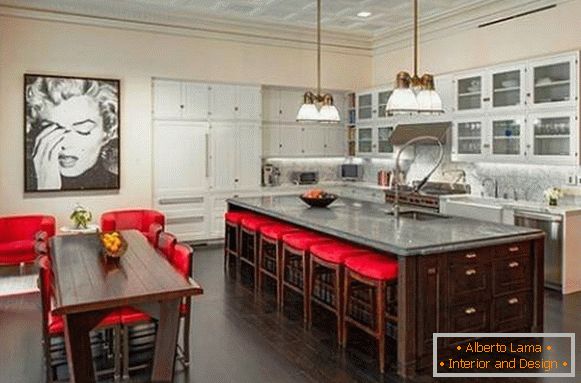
x=364, y=14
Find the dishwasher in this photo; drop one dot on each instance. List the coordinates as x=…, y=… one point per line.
x=552, y=225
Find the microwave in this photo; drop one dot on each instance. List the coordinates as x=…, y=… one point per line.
x=351, y=172
x=305, y=178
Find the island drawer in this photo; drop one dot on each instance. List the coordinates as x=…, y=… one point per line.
x=511, y=274
x=469, y=257
x=470, y=317
x=468, y=282
x=512, y=250
x=512, y=311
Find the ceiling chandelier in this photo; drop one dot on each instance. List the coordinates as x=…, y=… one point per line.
x=414, y=94
x=318, y=107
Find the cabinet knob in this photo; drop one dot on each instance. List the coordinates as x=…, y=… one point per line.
x=513, y=301
x=181, y=106
x=236, y=180
x=512, y=265
x=486, y=99
x=513, y=249
x=470, y=271
x=236, y=109
x=470, y=255
x=470, y=311
x=280, y=145
x=431, y=271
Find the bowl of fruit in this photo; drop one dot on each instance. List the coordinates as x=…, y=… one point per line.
x=318, y=198
x=114, y=246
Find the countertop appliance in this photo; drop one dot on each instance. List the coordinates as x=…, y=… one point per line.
x=351, y=172
x=270, y=175
x=429, y=196
x=552, y=225
x=305, y=178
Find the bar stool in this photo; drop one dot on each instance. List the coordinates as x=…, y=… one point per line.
x=249, y=235
x=327, y=277
x=269, y=253
x=232, y=220
x=378, y=273
x=295, y=265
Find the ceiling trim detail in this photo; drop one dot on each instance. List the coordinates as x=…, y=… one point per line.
x=258, y=33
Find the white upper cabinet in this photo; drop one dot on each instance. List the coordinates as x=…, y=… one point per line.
x=196, y=101
x=336, y=141
x=471, y=90
x=382, y=96
x=248, y=158
x=168, y=102
x=281, y=105
x=508, y=138
x=553, y=137
x=365, y=106
x=235, y=102
x=249, y=103
x=470, y=139
x=313, y=139
x=553, y=81
x=507, y=87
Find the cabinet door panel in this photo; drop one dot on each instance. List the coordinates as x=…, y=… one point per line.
x=271, y=145
x=290, y=102
x=248, y=164
x=167, y=99
x=336, y=140
x=553, y=82
x=553, y=137
x=290, y=139
x=196, y=101
x=271, y=105
x=223, y=102
x=249, y=103
x=313, y=138
x=432, y=277
x=180, y=157
x=223, y=156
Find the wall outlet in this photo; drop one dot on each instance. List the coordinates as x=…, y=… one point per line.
x=572, y=179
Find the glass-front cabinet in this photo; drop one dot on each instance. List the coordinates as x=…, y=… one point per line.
x=382, y=97
x=365, y=107
x=384, y=147
x=507, y=88
x=508, y=137
x=364, y=140
x=469, y=92
x=470, y=139
x=553, y=137
x=553, y=82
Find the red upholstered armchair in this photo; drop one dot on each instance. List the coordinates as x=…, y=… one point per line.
x=18, y=235
x=138, y=219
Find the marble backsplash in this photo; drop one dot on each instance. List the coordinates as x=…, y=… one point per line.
x=526, y=182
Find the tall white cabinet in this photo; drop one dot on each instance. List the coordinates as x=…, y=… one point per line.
x=207, y=145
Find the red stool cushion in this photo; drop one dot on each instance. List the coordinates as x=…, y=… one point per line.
x=303, y=240
x=277, y=231
x=373, y=265
x=236, y=217
x=255, y=223
x=335, y=251
x=56, y=324
x=130, y=315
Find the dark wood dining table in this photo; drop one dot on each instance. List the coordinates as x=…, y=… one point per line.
x=87, y=289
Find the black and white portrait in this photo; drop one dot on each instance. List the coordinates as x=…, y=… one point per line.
x=71, y=133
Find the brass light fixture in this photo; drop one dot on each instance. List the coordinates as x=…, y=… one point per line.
x=318, y=107
x=413, y=94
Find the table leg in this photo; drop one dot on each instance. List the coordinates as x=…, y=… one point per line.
x=165, y=341
x=406, y=317
x=78, y=345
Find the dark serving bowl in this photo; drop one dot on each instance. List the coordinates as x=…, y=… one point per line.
x=319, y=202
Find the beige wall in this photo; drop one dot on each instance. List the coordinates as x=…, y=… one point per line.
x=31, y=46
x=555, y=30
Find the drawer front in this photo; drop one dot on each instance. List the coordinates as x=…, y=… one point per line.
x=512, y=311
x=473, y=317
x=469, y=282
x=512, y=250
x=511, y=274
x=469, y=257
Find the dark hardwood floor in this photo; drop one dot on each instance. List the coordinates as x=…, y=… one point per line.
x=239, y=337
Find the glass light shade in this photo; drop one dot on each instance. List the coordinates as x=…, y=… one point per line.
x=429, y=101
x=308, y=112
x=402, y=100
x=329, y=113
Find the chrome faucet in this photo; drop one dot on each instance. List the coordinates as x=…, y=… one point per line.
x=397, y=171
x=494, y=183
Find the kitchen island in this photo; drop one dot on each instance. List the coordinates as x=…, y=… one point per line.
x=455, y=274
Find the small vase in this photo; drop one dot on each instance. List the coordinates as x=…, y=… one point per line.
x=553, y=201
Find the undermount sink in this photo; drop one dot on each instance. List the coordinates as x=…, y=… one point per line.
x=419, y=215
x=484, y=209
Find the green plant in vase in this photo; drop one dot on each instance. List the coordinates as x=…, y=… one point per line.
x=552, y=195
x=81, y=217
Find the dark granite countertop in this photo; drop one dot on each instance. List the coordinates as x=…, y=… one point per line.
x=368, y=224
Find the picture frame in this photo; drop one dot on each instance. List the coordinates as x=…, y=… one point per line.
x=71, y=133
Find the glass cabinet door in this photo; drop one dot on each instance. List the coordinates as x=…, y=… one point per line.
x=553, y=135
x=383, y=144
x=382, y=98
x=507, y=137
x=364, y=107
x=506, y=89
x=469, y=137
x=469, y=93
x=364, y=140
x=553, y=82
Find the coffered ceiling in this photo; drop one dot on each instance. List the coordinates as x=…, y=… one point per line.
x=388, y=17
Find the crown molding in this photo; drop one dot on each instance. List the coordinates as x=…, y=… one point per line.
x=454, y=21
x=211, y=28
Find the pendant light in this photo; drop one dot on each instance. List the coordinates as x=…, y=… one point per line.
x=414, y=94
x=318, y=107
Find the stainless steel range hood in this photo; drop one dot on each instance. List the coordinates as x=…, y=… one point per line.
x=405, y=132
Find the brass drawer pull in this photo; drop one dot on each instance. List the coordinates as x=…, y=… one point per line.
x=513, y=249
x=470, y=272
x=514, y=264
x=513, y=301
x=470, y=311
x=470, y=255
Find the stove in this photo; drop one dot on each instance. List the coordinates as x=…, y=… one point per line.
x=429, y=196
